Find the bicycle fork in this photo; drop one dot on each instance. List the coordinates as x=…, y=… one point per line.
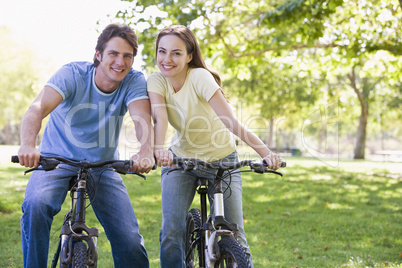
x=213, y=228
x=74, y=228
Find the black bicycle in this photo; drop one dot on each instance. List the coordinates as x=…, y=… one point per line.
x=211, y=241
x=77, y=245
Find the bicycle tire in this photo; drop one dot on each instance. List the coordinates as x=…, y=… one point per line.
x=194, y=253
x=232, y=254
x=80, y=255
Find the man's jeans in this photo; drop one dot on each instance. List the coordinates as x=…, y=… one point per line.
x=178, y=190
x=44, y=195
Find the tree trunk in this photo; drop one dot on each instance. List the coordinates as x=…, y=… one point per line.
x=361, y=135
x=362, y=129
x=270, y=139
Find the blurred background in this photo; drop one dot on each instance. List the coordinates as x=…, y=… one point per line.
x=312, y=78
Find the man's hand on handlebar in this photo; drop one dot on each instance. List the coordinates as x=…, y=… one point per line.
x=29, y=156
x=142, y=162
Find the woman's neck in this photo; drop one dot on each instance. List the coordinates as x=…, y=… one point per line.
x=177, y=82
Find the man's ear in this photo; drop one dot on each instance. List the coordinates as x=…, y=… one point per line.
x=98, y=55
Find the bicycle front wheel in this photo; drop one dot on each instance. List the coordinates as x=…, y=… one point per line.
x=194, y=243
x=232, y=254
x=80, y=255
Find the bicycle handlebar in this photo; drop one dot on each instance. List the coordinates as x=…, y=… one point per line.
x=191, y=163
x=50, y=163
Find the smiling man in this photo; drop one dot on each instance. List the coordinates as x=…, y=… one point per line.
x=86, y=103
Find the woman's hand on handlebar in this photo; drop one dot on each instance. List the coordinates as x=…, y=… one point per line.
x=163, y=157
x=273, y=160
x=29, y=156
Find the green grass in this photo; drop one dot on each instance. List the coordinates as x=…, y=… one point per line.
x=333, y=214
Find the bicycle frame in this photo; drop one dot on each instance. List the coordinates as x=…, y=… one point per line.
x=214, y=226
x=205, y=235
x=74, y=232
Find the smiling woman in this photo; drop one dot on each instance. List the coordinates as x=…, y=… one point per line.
x=173, y=59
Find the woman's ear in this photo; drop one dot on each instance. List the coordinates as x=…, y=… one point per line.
x=189, y=57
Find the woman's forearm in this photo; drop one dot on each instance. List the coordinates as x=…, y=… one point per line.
x=160, y=129
x=248, y=137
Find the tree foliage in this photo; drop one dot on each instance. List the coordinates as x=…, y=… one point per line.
x=17, y=79
x=285, y=56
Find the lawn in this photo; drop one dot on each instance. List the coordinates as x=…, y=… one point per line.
x=319, y=214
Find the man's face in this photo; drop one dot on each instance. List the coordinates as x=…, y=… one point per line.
x=115, y=63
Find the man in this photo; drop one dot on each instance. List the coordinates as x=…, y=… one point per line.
x=86, y=102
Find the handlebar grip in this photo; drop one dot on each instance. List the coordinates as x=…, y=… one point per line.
x=283, y=163
x=15, y=159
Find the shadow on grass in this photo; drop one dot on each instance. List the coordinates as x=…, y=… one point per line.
x=324, y=217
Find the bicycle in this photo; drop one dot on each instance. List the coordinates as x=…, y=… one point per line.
x=78, y=242
x=212, y=241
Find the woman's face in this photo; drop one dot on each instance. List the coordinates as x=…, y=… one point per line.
x=172, y=58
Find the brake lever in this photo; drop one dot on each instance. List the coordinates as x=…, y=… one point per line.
x=258, y=168
x=274, y=172
x=30, y=170
x=49, y=164
x=122, y=168
x=33, y=169
x=135, y=173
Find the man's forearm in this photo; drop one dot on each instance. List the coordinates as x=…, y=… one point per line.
x=145, y=135
x=30, y=127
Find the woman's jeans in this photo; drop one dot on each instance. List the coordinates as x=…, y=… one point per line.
x=44, y=195
x=178, y=190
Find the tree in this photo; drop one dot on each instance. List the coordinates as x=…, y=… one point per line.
x=246, y=39
x=17, y=83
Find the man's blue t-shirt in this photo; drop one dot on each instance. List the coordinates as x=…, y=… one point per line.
x=87, y=123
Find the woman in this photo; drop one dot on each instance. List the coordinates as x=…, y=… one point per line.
x=188, y=95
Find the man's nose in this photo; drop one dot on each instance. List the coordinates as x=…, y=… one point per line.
x=119, y=59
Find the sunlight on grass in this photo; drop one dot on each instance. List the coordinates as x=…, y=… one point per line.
x=313, y=216
x=149, y=199
x=337, y=206
x=257, y=184
x=262, y=198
